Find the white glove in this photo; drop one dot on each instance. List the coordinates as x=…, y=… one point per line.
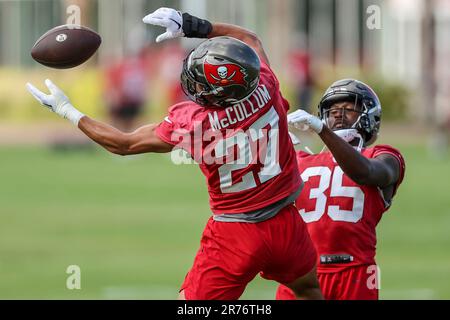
x=56, y=102
x=303, y=121
x=168, y=18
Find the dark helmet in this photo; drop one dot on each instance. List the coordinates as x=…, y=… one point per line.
x=366, y=103
x=220, y=71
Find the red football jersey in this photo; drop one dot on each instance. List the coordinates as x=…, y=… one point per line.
x=238, y=147
x=341, y=215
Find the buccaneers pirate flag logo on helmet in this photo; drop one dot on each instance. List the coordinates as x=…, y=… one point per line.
x=226, y=74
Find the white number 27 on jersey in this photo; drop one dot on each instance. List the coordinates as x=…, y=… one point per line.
x=271, y=167
x=337, y=190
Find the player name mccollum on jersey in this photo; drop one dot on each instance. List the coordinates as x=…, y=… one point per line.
x=240, y=111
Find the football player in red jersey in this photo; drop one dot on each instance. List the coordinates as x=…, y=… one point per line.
x=234, y=127
x=347, y=189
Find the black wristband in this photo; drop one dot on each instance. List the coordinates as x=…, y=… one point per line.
x=194, y=27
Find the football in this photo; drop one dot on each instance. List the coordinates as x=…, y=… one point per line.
x=66, y=46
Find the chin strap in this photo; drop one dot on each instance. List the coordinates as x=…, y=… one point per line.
x=349, y=135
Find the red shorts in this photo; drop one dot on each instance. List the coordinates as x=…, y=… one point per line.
x=231, y=254
x=349, y=284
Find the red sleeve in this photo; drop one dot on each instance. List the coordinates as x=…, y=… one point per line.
x=385, y=149
x=175, y=129
x=301, y=154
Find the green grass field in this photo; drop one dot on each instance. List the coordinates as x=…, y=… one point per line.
x=134, y=225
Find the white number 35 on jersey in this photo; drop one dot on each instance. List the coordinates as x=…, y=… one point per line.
x=337, y=190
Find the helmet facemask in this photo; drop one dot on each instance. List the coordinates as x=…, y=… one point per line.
x=197, y=91
x=359, y=128
x=365, y=103
x=362, y=124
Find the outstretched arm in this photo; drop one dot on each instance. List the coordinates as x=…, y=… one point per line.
x=179, y=24
x=382, y=171
x=142, y=140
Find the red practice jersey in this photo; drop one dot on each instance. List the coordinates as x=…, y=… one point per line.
x=341, y=215
x=237, y=147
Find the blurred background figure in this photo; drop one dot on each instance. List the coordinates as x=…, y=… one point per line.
x=170, y=62
x=300, y=74
x=126, y=85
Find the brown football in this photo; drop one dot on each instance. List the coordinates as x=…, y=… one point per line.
x=66, y=46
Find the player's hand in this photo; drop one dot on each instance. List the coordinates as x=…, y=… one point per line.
x=168, y=18
x=303, y=121
x=56, y=101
